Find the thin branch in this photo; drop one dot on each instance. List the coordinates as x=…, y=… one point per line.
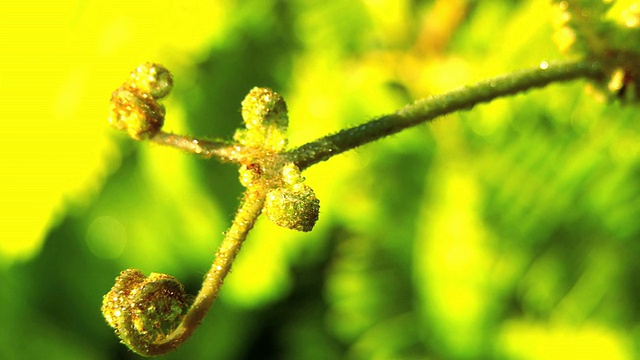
x=223, y=150
x=430, y=108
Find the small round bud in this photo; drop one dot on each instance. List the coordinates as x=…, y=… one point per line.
x=141, y=117
x=150, y=78
x=294, y=209
x=264, y=107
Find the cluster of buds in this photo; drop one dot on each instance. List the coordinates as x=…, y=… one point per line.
x=146, y=312
x=289, y=201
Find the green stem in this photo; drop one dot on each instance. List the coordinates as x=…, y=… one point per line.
x=245, y=219
x=430, y=108
x=222, y=150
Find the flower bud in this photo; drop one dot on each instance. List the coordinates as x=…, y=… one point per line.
x=264, y=107
x=294, y=208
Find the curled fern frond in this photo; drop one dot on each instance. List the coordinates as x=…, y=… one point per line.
x=144, y=310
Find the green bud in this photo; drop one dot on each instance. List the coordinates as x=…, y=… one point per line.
x=141, y=117
x=295, y=208
x=264, y=107
x=152, y=79
x=265, y=116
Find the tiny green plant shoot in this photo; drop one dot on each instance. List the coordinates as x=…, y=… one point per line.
x=153, y=315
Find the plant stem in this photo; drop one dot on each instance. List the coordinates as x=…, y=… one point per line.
x=428, y=109
x=222, y=150
x=244, y=220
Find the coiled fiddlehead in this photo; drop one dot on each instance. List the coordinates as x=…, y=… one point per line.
x=151, y=315
x=143, y=310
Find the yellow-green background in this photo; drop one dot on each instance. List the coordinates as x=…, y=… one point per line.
x=509, y=231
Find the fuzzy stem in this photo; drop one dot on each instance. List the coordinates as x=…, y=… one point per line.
x=204, y=148
x=430, y=108
x=245, y=219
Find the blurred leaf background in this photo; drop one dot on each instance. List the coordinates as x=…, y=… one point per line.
x=509, y=231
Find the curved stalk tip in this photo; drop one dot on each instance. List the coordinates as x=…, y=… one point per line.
x=148, y=313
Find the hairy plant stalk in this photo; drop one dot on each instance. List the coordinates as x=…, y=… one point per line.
x=430, y=108
x=205, y=148
x=244, y=220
